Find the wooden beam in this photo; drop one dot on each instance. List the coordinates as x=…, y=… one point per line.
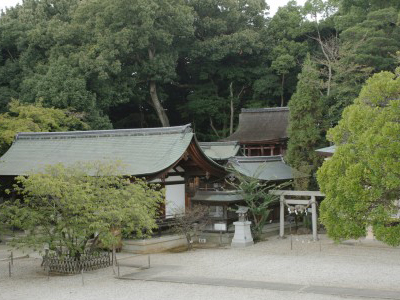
x=296, y=202
x=296, y=193
x=174, y=182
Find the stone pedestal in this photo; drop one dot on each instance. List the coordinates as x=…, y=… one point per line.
x=370, y=234
x=242, y=237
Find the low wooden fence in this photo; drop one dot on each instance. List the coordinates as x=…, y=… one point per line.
x=72, y=265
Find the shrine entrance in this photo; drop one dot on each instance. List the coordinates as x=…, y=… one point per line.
x=293, y=199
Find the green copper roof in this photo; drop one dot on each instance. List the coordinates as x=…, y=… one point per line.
x=327, y=151
x=220, y=150
x=142, y=151
x=270, y=168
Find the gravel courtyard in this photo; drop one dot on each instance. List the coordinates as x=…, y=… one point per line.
x=324, y=265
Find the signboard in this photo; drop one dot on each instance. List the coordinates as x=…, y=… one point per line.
x=220, y=226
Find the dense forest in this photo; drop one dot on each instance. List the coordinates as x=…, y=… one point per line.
x=146, y=63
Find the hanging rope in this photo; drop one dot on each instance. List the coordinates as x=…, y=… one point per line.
x=299, y=208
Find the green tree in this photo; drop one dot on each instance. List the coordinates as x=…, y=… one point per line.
x=377, y=37
x=217, y=69
x=362, y=180
x=289, y=47
x=66, y=206
x=35, y=118
x=39, y=60
x=353, y=12
x=347, y=77
x=306, y=124
x=257, y=199
x=140, y=39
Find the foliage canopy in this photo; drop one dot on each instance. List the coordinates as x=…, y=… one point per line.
x=35, y=118
x=66, y=207
x=305, y=123
x=362, y=180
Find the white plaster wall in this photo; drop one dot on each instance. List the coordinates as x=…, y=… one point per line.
x=174, y=198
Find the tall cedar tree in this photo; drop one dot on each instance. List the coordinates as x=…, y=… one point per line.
x=305, y=123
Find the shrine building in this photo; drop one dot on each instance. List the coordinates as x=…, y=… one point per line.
x=262, y=131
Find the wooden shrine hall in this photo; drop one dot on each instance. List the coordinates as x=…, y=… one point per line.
x=262, y=131
x=170, y=156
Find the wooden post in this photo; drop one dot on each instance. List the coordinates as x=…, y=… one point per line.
x=291, y=242
x=291, y=235
x=314, y=218
x=114, y=258
x=282, y=217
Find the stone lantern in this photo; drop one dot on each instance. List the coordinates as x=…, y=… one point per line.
x=242, y=212
x=242, y=237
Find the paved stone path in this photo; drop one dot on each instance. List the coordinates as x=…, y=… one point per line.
x=153, y=275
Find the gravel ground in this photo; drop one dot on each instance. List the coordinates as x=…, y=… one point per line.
x=358, y=266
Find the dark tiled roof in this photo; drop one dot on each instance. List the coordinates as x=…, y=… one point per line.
x=261, y=125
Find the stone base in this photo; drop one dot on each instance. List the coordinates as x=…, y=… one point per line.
x=370, y=234
x=153, y=245
x=242, y=237
x=241, y=244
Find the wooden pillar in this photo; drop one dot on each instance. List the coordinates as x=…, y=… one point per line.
x=314, y=218
x=282, y=217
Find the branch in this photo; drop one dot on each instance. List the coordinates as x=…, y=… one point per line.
x=213, y=128
x=241, y=91
x=181, y=86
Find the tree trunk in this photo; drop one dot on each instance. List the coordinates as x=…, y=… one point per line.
x=283, y=82
x=157, y=105
x=224, y=124
x=328, y=92
x=328, y=59
x=232, y=109
x=154, y=98
x=213, y=128
x=189, y=241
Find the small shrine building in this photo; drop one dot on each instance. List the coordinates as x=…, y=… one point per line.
x=262, y=131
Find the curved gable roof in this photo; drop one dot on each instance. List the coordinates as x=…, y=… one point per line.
x=269, y=168
x=220, y=150
x=142, y=151
x=261, y=125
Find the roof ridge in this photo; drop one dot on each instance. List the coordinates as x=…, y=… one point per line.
x=239, y=159
x=216, y=192
x=219, y=143
x=107, y=133
x=265, y=109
